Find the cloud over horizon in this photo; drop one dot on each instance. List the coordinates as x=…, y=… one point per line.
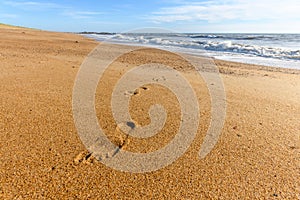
x=179, y=15
x=217, y=11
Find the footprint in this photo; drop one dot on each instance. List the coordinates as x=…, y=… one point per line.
x=84, y=157
x=139, y=90
x=136, y=92
x=122, y=140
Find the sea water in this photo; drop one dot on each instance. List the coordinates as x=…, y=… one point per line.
x=277, y=50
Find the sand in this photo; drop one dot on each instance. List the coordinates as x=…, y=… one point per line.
x=42, y=156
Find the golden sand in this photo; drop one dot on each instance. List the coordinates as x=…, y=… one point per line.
x=41, y=155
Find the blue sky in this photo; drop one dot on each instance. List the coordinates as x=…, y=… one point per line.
x=258, y=16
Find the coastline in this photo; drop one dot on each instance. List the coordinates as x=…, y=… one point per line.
x=256, y=49
x=42, y=156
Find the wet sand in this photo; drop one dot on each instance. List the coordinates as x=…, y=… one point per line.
x=42, y=156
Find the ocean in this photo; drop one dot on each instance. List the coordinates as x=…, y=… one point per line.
x=276, y=50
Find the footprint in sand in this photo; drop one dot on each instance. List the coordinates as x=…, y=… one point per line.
x=84, y=157
x=136, y=92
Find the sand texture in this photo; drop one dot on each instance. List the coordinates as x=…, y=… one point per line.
x=42, y=157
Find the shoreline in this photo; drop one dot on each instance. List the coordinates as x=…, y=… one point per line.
x=234, y=64
x=263, y=59
x=42, y=156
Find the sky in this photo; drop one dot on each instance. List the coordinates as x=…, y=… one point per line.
x=201, y=16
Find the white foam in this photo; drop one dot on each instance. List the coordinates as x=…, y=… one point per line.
x=233, y=50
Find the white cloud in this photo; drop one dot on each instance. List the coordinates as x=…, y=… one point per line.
x=219, y=11
x=42, y=6
x=81, y=14
x=32, y=5
x=8, y=16
x=265, y=27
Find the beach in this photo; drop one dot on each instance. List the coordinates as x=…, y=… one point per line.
x=257, y=155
